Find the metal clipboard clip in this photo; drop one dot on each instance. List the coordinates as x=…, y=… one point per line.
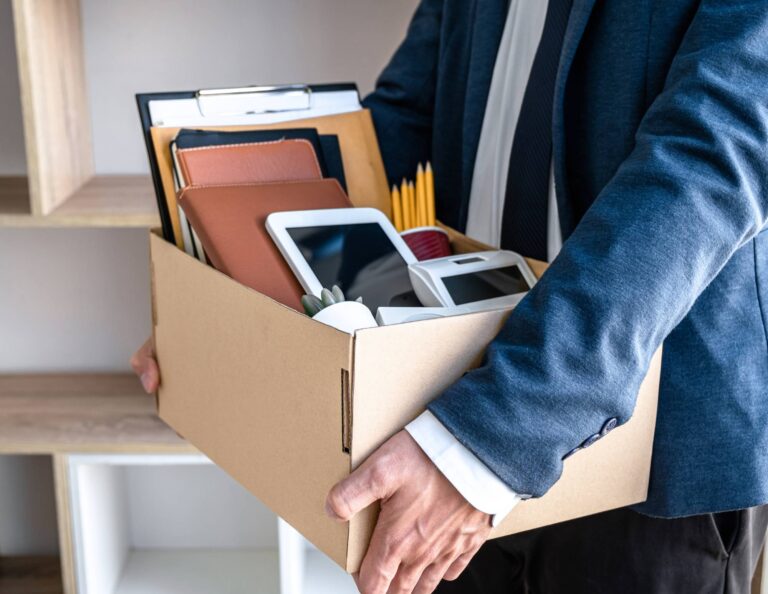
x=253, y=100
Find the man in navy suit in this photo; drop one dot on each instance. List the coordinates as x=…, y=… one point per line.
x=636, y=131
x=626, y=142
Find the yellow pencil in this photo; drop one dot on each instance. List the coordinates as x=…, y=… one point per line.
x=421, y=197
x=412, y=203
x=405, y=195
x=429, y=178
x=397, y=209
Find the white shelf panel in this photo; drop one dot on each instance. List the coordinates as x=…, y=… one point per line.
x=201, y=572
x=323, y=576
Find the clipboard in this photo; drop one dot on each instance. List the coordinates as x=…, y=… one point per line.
x=241, y=107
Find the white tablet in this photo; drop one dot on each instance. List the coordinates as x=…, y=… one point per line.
x=477, y=281
x=357, y=249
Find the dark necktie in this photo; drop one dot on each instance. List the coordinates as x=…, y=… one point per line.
x=524, y=223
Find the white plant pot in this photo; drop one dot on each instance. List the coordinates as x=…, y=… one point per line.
x=347, y=316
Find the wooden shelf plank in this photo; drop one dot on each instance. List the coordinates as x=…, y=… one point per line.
x=30, y=575
x=104, y=201
x=111, y=200
x=81, y=413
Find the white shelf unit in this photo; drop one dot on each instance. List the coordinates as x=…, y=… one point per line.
x=167, y=523
x=177, y=524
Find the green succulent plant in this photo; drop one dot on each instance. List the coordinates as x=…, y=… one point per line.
x=313, y=305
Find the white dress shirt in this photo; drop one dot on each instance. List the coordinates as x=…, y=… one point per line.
x=522, y=33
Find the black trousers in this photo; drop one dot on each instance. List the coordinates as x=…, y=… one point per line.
x=622, y=552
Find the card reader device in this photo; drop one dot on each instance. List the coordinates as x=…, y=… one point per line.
x=475, y=281
x=388, y=316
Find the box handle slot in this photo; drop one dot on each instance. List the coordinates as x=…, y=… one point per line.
x=346, y=413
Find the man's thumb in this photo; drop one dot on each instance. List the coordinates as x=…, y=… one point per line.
x=363, y=487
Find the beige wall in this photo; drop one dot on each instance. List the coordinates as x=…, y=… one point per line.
x=191, y=44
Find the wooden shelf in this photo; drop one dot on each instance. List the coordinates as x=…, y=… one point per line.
x=45, y=414
x=103, y=201
x=30, y=575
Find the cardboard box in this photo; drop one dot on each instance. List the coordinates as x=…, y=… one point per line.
x=289, y=406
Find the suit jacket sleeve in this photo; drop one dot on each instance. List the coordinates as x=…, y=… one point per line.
x=694, y=190
x=403, y=102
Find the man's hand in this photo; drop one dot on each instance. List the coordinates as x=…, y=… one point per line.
x=145, y=366
x=426, y=530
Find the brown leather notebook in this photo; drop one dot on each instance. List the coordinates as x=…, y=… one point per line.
x=231, y=223
x=256, y=162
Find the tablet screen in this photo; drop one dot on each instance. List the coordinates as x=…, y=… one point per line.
x=486, y=284
x=360, y=259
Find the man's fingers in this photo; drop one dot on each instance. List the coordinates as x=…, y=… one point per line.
x=144, y=364
x=366, y=485
x=150, y=379
x=406, y=579
x=381, y=562
x=433, y=575
x=460, y=564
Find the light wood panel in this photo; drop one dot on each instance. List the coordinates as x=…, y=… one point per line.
x=103, y=201
x=54, y=101
x=81, y=413
x=111, y=200
x=64, y=524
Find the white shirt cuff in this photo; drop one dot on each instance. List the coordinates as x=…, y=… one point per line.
x=477, y=484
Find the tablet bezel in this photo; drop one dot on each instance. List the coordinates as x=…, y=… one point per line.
x=278, y=224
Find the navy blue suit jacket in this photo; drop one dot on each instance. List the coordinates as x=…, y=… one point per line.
x=660, y=148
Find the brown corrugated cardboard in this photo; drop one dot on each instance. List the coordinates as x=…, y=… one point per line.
x=289, y=406
x=254, y=385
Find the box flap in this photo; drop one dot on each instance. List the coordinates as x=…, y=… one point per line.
x=276, y=375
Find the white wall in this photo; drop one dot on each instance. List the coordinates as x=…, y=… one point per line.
x=72, y=299
x=168, y=45
x=12, y=159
